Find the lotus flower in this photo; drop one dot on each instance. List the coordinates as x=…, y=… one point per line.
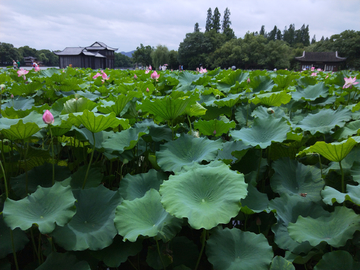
x=135, y=77
x=37, y=68
x=150, y=67
x=147, y=90
x=349, y=82
x=313, y=74
x=22, y=72
x=96, y=75
x=203, y=70
x=312, y=68
x=147, y=71
x=248, y=80
x=104, y=76
x=154, y=75
x=48, y=118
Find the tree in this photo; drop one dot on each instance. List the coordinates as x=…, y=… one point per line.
x=160, y=55
x=226, y=30
x=278, y=55
x=8, y=53
x=216, y=25
x=272, y=34
x=262, y=31
x=142, y=55
x=289, y=35
x=209, y=23
x=196, y=27
x=173, y=59
x=122, y=61
x=313, y=40
x=278, y=35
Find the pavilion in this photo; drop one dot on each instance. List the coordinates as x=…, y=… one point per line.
x=327, y=61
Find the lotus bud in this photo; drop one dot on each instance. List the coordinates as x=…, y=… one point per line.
x=217, y=96
x=48, y=118
x=270, y=111
x=135, y=77
x=147, y=90
x=214, y=132
x=12, y=96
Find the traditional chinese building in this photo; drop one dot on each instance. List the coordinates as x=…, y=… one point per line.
x=96, y=56
x=28, y=60
x=327, y=61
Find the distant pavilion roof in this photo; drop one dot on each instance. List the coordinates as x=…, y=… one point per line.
x=320, y=57
x=96, y=46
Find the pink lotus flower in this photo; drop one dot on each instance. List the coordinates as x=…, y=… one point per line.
x=150, y=67
x=22, y=72
x=248, y=80
x=96, y=75
x=349, y=82
x=312, y=68
x=147, y=71
x=203, y=70
x=48, y=118
x=104, y=76
x=313, y=74
x=154, y=75
x=135, y=77
x=147, y=90
x=214, y=132
x=12, y=96
x=37, y=68
x=319, y=69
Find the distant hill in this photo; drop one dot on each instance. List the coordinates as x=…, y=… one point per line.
x=128, y=54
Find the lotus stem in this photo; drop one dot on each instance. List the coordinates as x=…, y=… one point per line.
x=53, y=155
x=5, y=181
x=189, y=123
x=203, y=238
x=158, y=249
x=91, y=158
x=26, y=171
x=13, y=249
x=342, y=179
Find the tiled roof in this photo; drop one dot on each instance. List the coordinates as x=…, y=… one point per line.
x=100, y=46
x=320, y=57
x=70, y=51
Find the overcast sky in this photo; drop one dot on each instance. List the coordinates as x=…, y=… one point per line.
x=124, y=24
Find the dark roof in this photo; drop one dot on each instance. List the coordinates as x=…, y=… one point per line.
x=100, y=46
x=71, y=51
x=320, y=57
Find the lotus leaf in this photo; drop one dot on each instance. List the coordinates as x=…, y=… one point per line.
x=335, y=260
x=272, y=99
x=311, y=92
x=185, y=151
x=20, y=131
x=331, y=195
x=92, y=227
x=45, y=207
x=325, y=120
x=334, y=229
x=214, y=127
x=335, y=151
x=229, y=101
x=61, y=261
x=136, y=186
x=294, y=178
x=145, y=216
x=205, y=195
x=263, y=132
x=279, y=263
x=233, y=249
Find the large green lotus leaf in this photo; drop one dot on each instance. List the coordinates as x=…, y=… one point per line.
x=97, y=122
x=118, y=252
x=280, y=263
x=214, y=127
x=335, y=229
x=19, y=237
x=185, y=151
x=335, y=151
x=61, y=261
x=38, y=176
x=288, y=208
x=20, y=131
x=311, y=92
x=25, y=89
x=294, y=178
x=19, y=103
x=92, y=227
x=187, y=77
x=229, y=101
x=135, y=186
x=75, y=105
x=348, y=130
x=147, y=217
x=232, y=80
x=335, y=260
x=331, y=195
x=121, y=104
x=272, y=99
x=124, y=140
x=232, y=150
x=255, y=201
x=45, y=207
x=233, y=249
x=83, y=134
x=206, y=195
x=263, y=112
x=261, y=84
x=167, y=108
x=325, y=120
x=263, y=132
x=156, y=132
x=195, y=110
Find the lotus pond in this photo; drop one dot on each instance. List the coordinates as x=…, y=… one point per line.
x=119, y=169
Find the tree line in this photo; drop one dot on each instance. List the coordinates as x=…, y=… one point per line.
x=217, y=46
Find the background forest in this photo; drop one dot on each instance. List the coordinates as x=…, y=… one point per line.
x=217, y=46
